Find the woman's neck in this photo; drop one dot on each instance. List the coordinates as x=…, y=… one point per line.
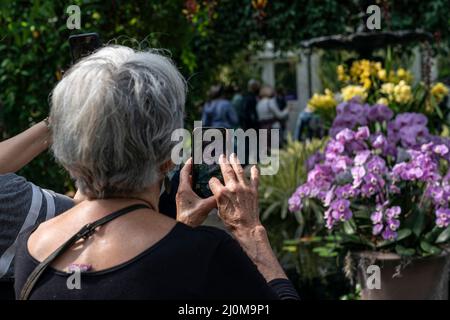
x=149, y=197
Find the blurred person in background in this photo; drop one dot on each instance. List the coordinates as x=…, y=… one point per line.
x=280, y=98
x=22, y=203
x=308, y=126
x=237, y=101
x=218, y=112
x=269, y=114
x=248, y=117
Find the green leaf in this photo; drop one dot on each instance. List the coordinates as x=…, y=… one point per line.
x=402, y=234
x=443, y=236
x=284, y=210
x=292, y=249
x=352, y=238
x=269, y=210
x=348, y=227
x=433, y=234
x=291, y=242
x=429, y=248
x=325, y=252
x=419, y=223
x=401, y=250
x=361, y=214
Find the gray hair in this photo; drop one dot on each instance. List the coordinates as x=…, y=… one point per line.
x=112, y=117
x=253, y=85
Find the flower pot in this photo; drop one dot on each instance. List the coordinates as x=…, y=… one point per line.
x=401, y=278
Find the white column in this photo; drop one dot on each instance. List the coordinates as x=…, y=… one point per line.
x=302, y=91
x=416, y=68
x=316, y=83
x=302, y=81
x=268, y=72
x=434, y=69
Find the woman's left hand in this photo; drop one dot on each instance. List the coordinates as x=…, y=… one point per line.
x=191, y=209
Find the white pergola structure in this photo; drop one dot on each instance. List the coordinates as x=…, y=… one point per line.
x=307, y=78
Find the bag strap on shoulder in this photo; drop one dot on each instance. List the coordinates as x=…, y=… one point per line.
x=84, y=233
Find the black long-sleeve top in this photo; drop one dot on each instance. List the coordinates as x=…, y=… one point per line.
x=188, y=263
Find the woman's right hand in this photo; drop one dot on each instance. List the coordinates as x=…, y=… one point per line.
x=237, y=203
x=237, y=200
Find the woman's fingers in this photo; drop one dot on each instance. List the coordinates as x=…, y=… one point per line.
x=254, y=177
x=208, y=204
x=238, y=170
x=216, y=186
x=227, y=170
x=185, y=174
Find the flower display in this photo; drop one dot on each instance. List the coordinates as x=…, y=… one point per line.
x=322, y=102
x=402, y=92
x=350, y=92
x=380, y=174
x=367, y=73
x=369, y=81
x=439, y=91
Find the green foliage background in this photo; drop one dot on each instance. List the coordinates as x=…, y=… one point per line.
x=34, y=48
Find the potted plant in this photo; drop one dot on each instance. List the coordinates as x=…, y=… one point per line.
x=296, y=237
x=384, y=185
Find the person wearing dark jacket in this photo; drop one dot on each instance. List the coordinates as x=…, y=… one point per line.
x=218, y=112
x=248, y=116
x=22, y=203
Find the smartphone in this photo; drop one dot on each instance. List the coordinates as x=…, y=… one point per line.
x=82, y=45
x=207, y=145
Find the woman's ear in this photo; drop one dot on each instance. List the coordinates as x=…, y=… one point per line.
x=166, y=167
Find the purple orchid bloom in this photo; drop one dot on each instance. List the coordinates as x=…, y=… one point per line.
x=379, y=142
x=389, y=234
x=362, y=133
x=376, y=165
x=442, y=217
x=346, y=135
x=441, y=149
x=376, y=230
x=379, y=113
x=376, y=217
x=361, y=157
x=358, y=174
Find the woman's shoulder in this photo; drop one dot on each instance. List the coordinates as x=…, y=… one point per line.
x=211, y=243
x=206, y=238
x=13, y=183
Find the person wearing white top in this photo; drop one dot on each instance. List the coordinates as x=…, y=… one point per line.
x=269, y=114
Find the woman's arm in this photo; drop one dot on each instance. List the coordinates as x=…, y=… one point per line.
x=231, y=274
x=273, y=107
x=17, y=151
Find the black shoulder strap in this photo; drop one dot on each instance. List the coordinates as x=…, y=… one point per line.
x=84, y=233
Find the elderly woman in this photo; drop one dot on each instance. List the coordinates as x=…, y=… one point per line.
x=112, y=118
